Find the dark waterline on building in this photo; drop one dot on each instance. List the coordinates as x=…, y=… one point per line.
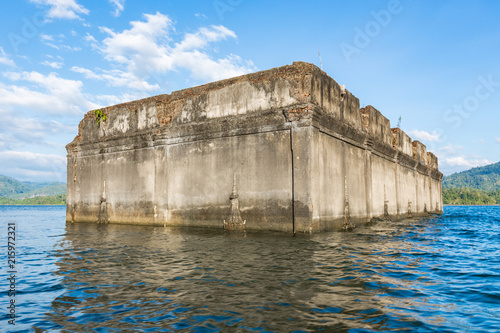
x=437, y=274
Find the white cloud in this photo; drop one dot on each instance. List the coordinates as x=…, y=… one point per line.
x=50, y=94
x=424, y=135
x=45, y=37
x=63, y=9
x=497, y=140
x=118, y=99
x=53, y=64
x=450, y=149
x=119, y=7
x=5, y=60
x=200, y=15
x=461, y=161
x=117, y=78
x=16, y=132
x=201, y=38
x=26, y=165
x=56, y=42
x=92, y=41
x=147, y=48
x=141, y=46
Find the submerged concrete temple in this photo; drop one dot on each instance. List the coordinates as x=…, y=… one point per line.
x=286, y=149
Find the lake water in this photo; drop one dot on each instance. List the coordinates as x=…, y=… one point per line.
x=439, y=274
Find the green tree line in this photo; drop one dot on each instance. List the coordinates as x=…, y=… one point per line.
x=39, y=200
x=470, y=196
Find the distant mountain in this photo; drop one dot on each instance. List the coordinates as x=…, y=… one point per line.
x=14, y=189
x=486, y=178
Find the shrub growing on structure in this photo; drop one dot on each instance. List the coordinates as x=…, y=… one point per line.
x=99, y=115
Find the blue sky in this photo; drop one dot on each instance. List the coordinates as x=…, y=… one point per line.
x=435, y=64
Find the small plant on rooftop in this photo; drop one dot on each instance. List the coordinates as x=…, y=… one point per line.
x=99, y=115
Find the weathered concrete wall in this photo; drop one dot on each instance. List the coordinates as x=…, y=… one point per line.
x=304, y=156
x=200, y=178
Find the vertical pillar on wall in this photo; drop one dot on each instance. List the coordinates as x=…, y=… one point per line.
x=292, y=158
x=397, y=170
x=160, y=183
x=429, y=179
x=301, y=152
x=409, y=212
x=386, y=205
x=369, y=177
x=234, y=221
x=103, y=211
x=440, y=197
x=73, y=192
x=155, y=207
x=348, y=225
x=415, y=176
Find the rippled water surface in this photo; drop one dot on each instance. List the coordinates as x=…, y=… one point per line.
x=439, y=274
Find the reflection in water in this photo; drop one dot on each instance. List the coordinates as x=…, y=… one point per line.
x=132, y=277
x=121, y=277
x=415, y=276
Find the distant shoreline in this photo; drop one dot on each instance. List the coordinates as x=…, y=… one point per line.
x=32, y=204
x=469, y=205
x=48, y=200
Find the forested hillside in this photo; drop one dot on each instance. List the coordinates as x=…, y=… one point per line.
x=477, y=186
x=486, y=178
x=13, y=192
